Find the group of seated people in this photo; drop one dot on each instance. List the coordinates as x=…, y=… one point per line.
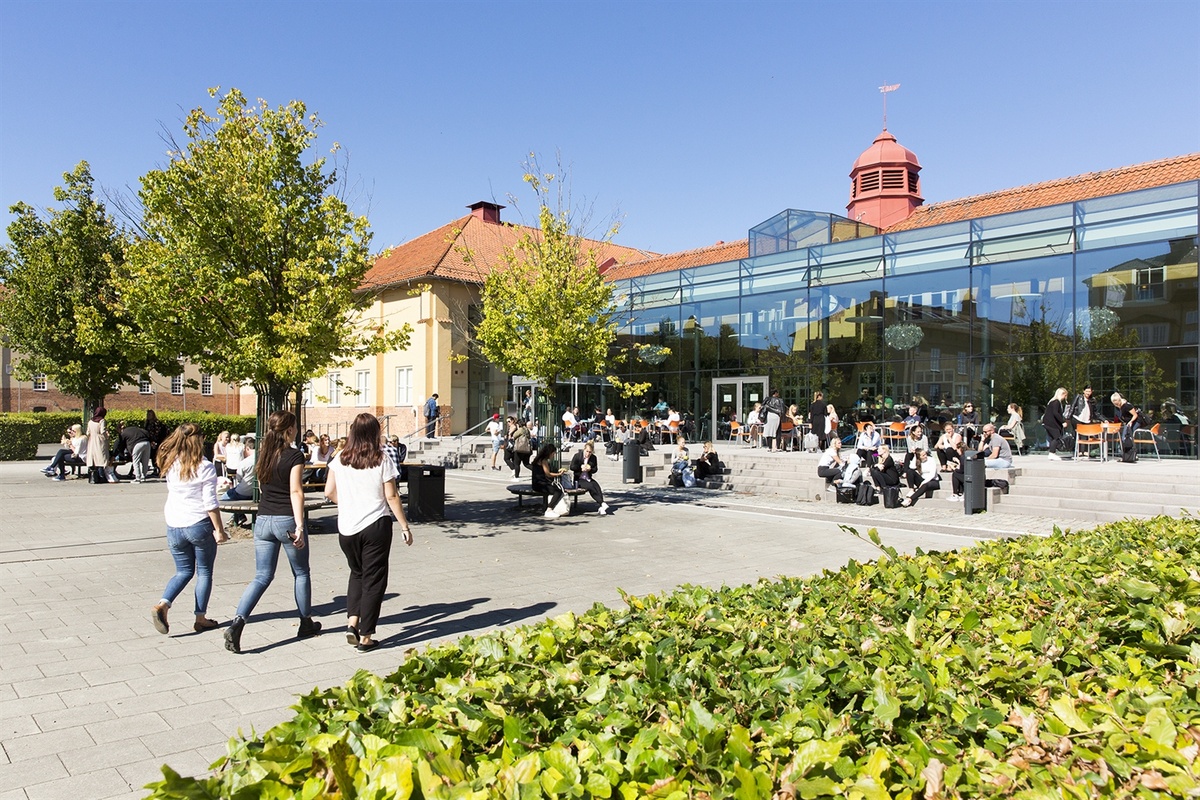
x=919, y=466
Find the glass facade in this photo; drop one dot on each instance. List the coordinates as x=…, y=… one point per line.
x=995, y=310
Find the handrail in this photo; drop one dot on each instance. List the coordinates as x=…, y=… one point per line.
x=419, y=433
x=460, y=436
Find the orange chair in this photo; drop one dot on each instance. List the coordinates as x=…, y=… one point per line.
x=787, y=432
x=669, y=433
x=894, y=436
x=736, y=433
x=1148, y=436
x=1089, y=435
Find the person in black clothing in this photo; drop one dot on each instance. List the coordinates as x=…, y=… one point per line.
x=158, y=434
x=1083, y=407
x=708, y=463
x=968, y=423
x=583, y=467
x=772, y=417
x=816, y=420
x=280, y=523
x=1055, y=421
x=885, y=473
x=133, y=444
x=543, y=480
x=1130, y=418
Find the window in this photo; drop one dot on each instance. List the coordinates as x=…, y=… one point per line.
x=308, y=394
x=362, y=379
x=1149, y=284
x=39, y=382
x=935, y=359
x=176, y=384
x=404, y=387
x=962, y=363
x=144, y=386
x=206, y=385
x=335, y=388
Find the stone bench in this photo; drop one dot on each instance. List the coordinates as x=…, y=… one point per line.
x=250, y=507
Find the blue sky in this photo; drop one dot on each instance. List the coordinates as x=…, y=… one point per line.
x=692, y=120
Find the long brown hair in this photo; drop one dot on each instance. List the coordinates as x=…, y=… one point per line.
x=363, y=448
x=275, y=442
x=184, y=446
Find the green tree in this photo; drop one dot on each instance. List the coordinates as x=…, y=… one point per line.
x=251, y=262
x=546, y=312
x=59, y=307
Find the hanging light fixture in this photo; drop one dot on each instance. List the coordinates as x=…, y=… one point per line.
x=904, y=336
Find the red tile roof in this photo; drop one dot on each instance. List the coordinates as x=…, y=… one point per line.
x=1064, y=190
x=439, y=253
x=713, y=254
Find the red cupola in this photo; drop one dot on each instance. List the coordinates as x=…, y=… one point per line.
x=885, y=184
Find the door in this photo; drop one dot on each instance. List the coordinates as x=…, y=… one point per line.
x=734, y=396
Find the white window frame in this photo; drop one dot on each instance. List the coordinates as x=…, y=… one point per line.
x=404, y=386
x=144, y=385
x=39, y=382
x=206, y=385
x=362, y=386
x=176, y=384
x=335, y=389
x=307, y=397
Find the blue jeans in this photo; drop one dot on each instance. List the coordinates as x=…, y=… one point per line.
x=269, y=534
x=195, y=551
x=997, y=463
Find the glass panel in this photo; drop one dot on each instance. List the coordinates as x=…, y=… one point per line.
x=1163, y=213
x=925, y=318
x=1023, y=308
x=940, y=247
x=1137, y=296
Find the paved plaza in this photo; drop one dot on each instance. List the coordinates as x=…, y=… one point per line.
x=93, y=700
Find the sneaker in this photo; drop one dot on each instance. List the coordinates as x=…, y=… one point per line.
x=309, y=627
x=954, y=498
x=603, y=509
x=550, y=514
x=829, y=487
x=58, y=478
x=1054, y=457
x=233, y=635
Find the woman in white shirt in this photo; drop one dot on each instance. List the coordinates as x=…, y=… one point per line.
x=362, y=481
x=194, y=526
x=925, y=469
x=234, y=452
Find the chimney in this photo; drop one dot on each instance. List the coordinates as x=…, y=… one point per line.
x=488, y=212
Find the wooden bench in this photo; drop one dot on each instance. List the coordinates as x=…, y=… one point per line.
x=523, y=490
x=250, y=507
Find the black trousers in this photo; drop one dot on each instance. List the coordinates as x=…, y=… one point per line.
x=830, y=474
x=515, y=460
x=593, y=489
x=367, y=554
x=883, y=479
x=924, y=490
x=1054, y=435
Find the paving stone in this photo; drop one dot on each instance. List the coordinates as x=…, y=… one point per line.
x=95, y=783
x=37, y=745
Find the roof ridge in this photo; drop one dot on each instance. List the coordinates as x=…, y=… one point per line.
x=1086, y=176
x=689, y=251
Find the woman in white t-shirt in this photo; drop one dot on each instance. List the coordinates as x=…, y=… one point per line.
x=194, y=526
x=362, y=481
x=234, y=452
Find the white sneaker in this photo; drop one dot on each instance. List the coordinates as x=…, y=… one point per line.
x=954, y=498
x=1054, y=457
x=551, y=514
x=603, y=509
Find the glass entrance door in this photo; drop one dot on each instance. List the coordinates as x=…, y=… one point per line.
x=734, y=398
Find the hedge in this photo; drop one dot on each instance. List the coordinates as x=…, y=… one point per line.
x=20, y=434
x=1064, y=667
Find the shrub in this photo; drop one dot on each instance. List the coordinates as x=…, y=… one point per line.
x=20, y=434
x=1059, y=667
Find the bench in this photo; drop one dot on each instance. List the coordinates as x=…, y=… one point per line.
x=523, y=490
x=250, y=507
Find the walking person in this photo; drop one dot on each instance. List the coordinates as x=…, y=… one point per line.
x=495, y=429
x=1054, y=420
x=431, y=416
x=522, y=447
x=363, y=484
x=280, y=523
x=194, y=526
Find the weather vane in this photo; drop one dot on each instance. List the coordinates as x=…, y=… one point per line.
x=891, y=87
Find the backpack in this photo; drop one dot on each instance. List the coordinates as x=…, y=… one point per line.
x=865, y=495
x=810, y=442
x=997, y=483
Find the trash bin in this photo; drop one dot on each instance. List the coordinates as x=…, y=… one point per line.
x=633, y=462
x=974, y=477
x=426, y=492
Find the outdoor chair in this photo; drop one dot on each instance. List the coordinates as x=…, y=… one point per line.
x=1148, y=436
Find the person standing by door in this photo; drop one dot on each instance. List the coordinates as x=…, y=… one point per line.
x=431, y=416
